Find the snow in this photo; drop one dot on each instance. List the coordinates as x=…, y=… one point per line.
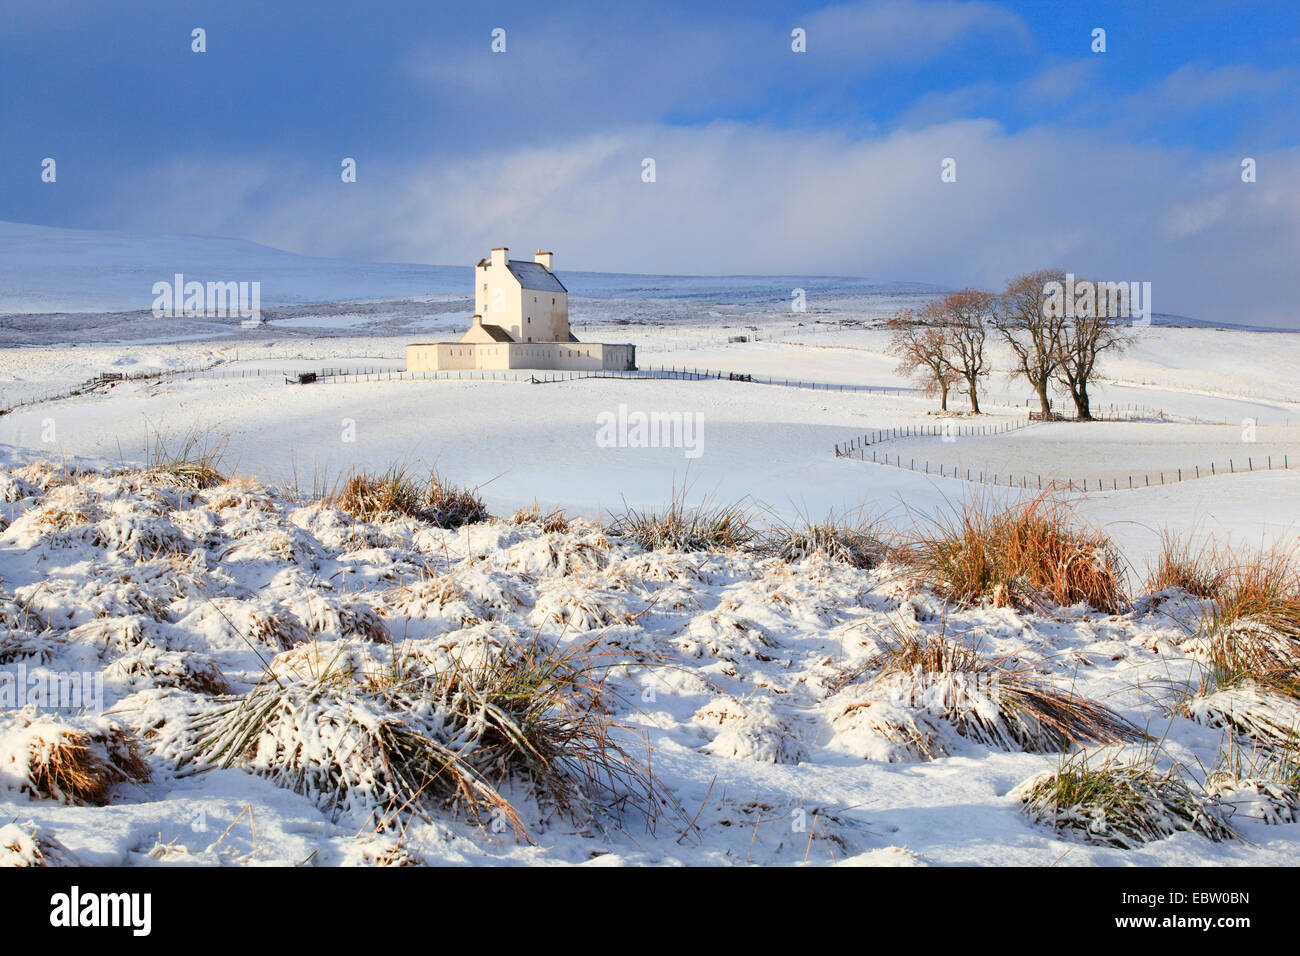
x=733, y=665
x=155, y=589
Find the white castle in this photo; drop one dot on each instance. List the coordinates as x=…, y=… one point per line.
x=529, y=328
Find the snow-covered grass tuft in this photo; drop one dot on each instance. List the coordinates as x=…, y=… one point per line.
x=423, y=734
x=1260, y=785
x=28, y=846
x=396, y=494
x=997, y=701
x=855, y=542
x=1017, y=556
x=1250, y=644
x=876, y=728
x=1252, y=798
x=1249, y=710
x=707, y=526
x=1118, y=804
x=450, y=506
x=77, y=760
x=551, y=522
x=194, y=464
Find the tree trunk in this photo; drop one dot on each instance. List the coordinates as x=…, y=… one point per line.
x=1043, y=400
x=974, y=398
x=1085, y=406
x=943, y=398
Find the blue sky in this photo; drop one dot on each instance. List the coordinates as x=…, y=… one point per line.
x=767, y=160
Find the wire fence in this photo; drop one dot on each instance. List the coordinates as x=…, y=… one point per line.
x=550, y=376
x=1234, y=466
x=104, y=381
x=857, y=447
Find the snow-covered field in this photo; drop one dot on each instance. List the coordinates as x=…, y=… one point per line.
x=738, y=668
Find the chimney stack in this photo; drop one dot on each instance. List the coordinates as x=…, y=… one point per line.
x=543, y=259
x=499, y=256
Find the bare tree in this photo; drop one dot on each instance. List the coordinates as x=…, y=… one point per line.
x=965, y=318
x=922, y=349
x=1032, y=329
x=1083, y=338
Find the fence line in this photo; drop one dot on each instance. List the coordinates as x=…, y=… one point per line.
x=551, y=376
x=106, y=380
x=1035, y=481
x=856, y=447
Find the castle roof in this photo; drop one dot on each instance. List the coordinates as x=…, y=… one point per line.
x=498, y=334
x=535, y=276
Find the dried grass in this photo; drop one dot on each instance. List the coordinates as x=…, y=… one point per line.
x=1019, y=556
x=997, y=701
x=77, y=760
x=1253, y=627
x=854, y=541
x=396, y=493
x=708, y=526
x=425, y=735
x=195, y=464
x=1198, y=570
x=550, y=522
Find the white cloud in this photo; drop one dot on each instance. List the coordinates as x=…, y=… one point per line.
x=738, y=199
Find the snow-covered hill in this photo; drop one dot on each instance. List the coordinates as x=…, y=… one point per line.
x=51, y=270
